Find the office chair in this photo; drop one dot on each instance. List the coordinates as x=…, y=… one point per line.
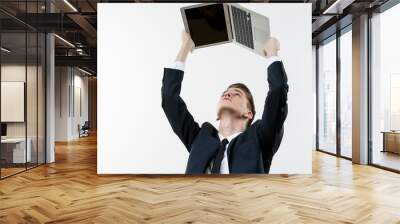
x=84, y=130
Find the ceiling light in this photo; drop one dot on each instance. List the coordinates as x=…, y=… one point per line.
x=84, y=71
x=5, y=50
x=79, y=51
x=65, y=41
x=331, y=7
x=70, y=5
x=338, y=6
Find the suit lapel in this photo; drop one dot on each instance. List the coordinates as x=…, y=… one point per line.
x=203, y=149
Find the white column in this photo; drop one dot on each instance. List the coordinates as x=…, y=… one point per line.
x=50, y=110
x=50, y=92
x=360, y=90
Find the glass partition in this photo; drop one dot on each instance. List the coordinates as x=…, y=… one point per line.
x=41, y=107
x=22, y=101
x=14, y=153
x=32, y=95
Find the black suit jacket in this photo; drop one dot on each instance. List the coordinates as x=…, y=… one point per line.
x=249, y=152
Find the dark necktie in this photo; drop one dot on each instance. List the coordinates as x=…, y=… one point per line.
x=216, y=167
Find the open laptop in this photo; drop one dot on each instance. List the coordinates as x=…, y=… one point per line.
x=215, y=23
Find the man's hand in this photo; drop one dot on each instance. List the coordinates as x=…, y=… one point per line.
x=271, y=47
x=186, y=47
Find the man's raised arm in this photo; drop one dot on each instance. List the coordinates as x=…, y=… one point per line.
x=270, y=128
x=174, y=107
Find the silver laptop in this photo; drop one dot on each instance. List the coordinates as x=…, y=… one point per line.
x=211, y=24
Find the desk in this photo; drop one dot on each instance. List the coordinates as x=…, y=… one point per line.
x=391, y=141
x=13, y=150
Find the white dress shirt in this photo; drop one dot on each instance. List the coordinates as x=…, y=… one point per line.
x=224, y=163
x=271, y=60
x=178, y=65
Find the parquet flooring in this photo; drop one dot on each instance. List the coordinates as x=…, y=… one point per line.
x=70, y=191
x=10, y=171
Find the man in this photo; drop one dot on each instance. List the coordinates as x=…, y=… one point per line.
x=238, y=146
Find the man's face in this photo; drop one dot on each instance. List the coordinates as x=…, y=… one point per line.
x=234, y=100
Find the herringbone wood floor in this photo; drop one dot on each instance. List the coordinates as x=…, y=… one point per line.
x=70, y=191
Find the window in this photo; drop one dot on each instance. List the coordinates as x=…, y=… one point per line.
x=385, y=89
x=346, y=94
x=327, y=97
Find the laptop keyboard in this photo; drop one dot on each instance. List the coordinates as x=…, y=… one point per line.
x=242, y=25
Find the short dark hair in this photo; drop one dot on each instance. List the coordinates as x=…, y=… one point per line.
x=249, y=96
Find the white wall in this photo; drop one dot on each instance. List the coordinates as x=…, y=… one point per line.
x=68, y=80
x=135, y=42
x=81, y=82
x=61, y=103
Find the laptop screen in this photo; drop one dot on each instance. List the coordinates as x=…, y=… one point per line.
x=3, y=129
x=207, y=24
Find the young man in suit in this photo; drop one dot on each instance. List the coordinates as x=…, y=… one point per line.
x=238, y=145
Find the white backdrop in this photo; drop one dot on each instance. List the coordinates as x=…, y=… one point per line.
x=135, y=43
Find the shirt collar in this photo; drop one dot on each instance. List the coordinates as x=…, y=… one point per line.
x=229, y=138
